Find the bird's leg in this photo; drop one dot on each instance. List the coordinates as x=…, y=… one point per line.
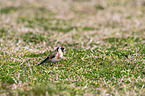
x=51, y=64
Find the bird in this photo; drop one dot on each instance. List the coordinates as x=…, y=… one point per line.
x=54, y=57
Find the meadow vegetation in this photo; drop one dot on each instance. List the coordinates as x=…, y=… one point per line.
x=104, y=41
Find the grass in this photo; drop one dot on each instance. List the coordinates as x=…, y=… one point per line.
x=105, y=47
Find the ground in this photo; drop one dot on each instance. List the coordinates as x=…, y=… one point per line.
x=104, y=41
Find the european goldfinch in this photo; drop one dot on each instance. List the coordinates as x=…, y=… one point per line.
x=55, y=56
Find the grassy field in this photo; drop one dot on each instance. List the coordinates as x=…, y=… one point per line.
x=104, y=41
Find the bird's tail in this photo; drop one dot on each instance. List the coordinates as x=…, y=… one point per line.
x=38, y=64
x=41, y=63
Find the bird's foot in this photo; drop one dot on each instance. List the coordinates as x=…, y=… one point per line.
x=51, y=64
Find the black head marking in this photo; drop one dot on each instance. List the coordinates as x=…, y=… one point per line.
x=57, y=48
x=62, y=49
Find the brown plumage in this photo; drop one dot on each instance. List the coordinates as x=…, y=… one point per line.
x=54, y=57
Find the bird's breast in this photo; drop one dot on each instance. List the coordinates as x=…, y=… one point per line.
x=59, y=55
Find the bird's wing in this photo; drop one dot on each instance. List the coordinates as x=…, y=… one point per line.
x=49, y=57
x=52, y=55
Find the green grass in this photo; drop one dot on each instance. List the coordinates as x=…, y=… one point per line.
x=108, y=67
x=105, y=52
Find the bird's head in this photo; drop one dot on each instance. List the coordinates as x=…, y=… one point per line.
x=60, y=49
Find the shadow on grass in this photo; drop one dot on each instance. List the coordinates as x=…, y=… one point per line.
x=9, y=9
x=3, y=32
x=128, y=39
